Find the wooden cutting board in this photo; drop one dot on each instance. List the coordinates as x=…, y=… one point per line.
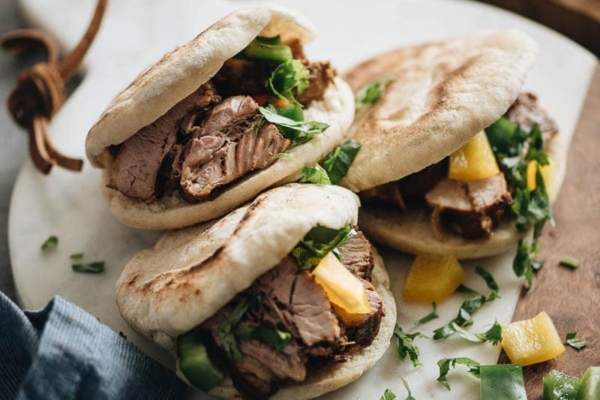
x=572, y=297
x=138, y=32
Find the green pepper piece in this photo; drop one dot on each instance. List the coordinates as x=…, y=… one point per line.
x=504, y=381
x=292, y=111
x=266, y=49
x=194, y=362
x=559, y=386
x=590, y=384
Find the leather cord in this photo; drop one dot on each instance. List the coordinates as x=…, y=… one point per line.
x=40, y=90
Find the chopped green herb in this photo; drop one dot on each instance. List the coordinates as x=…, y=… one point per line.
x=515, y=149
x=297, y=131
x=464, y=318
x=275, y=337
x=406, y=346
x=288, y=76
x=337, y=163
x=445, y=363
x=523, y=263
x=409, y=395
x=429, y=317
x=388, y=395
x=318, y=242
x=76, y=256
x=95, y=267
x=489, y=281
x=575, y=342
x=372, y=91
x=229, y=323
x=316, y=175
x=52, y=241
x=492, y=335
x=569, y=261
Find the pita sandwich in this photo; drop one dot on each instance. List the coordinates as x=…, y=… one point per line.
x=233, y=112
x=436, y=98
x=245, y=290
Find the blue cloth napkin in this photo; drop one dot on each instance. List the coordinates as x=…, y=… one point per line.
x=63, y=353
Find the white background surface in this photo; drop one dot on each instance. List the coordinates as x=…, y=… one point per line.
x=135, y=34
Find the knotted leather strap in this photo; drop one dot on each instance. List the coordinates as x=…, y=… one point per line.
x=40, y=90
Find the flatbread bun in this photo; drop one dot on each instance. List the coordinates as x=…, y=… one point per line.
x=358, y=361
x=177, y=75
x=441, y=95
x=193, y=272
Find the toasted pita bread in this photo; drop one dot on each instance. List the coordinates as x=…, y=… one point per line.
x=191, y=273
x=443, y=94
x=176, y=76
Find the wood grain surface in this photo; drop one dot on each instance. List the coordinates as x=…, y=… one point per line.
x=571, y=296
x=576, y=19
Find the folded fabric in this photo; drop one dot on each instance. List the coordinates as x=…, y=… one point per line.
x=62, y=353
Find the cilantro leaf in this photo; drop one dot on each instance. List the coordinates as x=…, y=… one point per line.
x=318, y=242
x=388, y=395
x=492, y=335
x=429, y=317
x=446, y=363
x=297, y=131
x=372, y=91
x=515, y=148
x=406, y=346
x=52, y=241
x=490, y=282
x=409, y=395
x=288, y=76
x=275, y=337
x=316, y=175
x=463, y=318
x=574, y=342
x=337, y=163
x=523, y=262
x=227, y=328
x=95, y=267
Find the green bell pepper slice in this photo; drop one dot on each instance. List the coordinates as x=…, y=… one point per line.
x=194, y=362
x=503, y=381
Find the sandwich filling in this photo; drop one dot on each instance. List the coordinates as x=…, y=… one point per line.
x=285, y=326
x=468, y=208
x=222, y=131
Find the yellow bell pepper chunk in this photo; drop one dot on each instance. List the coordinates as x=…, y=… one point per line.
x=548, y=173
x=532, y=340
x=475, y=160
x=433, y=278
x=344, y=290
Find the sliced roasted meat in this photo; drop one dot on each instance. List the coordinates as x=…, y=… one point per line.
x=468, y=208
x=386, y=194
x=301, y=303
x=237, y=77
x=321, y=75
x=137, y=165
x=226, y=148
x=526, y=112
x=364, y=327
x=410, y=189
x=261, y=366
x=357, y=256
